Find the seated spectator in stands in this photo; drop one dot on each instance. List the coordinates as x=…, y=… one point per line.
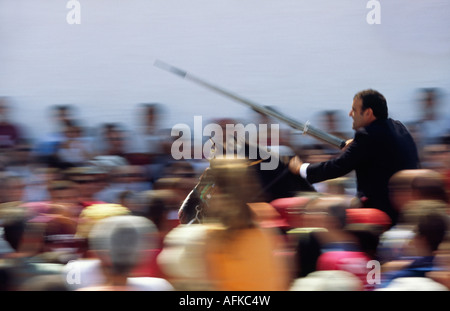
x=122, y=178
x=414, y=284
x=328, y=280
x=367, y=225
x=163, y=160
x=430, y=185
x=60, y=117
x=14, y=215
x=20, y=158
x=126, y=198
x=75, y=149
x=10, y=133
x=63, y=192
x=48, y=237
x=12, y=189
x=151, y=134
x=410, y=192
x=430, y=231
x=442, y=261
x=117, y=244
x=88, y=181
x=432, y=123
x=332, y=122
x=324, y=221
x=161, y=208
x=13, y=219
x=23, y=162
x=436, y=157
x=115, y=140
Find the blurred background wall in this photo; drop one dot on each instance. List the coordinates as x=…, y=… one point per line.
x=302, y=56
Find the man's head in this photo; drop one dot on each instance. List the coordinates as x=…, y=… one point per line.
x=62, y=114
x=4, y=108
x=431, y=230
x=120, y=241
x=368, y=106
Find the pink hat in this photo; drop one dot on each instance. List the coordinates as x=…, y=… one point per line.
x=289, y=208
x=350, y=261
x=367, y=216
x=267, y=216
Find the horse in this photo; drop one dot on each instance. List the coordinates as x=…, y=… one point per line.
x=275, y=183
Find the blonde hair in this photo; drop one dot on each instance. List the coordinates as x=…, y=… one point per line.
x=95, y=212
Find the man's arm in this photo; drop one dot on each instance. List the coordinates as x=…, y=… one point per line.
x=353, y=153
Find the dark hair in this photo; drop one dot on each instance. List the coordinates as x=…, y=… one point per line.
x=152, y=108
x=111, y=127
x=64, y=108
x=430, y=93
x=339, y=212
x=374, y=100
x=433, y=227
x=430, y=188
x=59, y=185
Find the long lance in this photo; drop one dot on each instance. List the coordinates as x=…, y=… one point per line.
x=305, y=128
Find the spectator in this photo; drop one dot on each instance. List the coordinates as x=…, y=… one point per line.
x=331, y=280
x=113, y=140
x=151, y=132
x=430, y=232
x=13, y=220
x=118, y=243
x=437, y=157
x=411, y=191
x=12, y=190
x=160, y=207
x=123, y=178
x=432, y=123
x=88, y=181
x=23, y=162
x=60, y=117
x=324, y=221
x=10, y=133
x=74, y=150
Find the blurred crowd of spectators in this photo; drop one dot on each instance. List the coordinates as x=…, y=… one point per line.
x=88, y=211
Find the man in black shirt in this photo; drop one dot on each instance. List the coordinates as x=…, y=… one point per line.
x=381, y=147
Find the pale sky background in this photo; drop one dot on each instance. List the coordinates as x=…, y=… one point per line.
x=301, y=56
